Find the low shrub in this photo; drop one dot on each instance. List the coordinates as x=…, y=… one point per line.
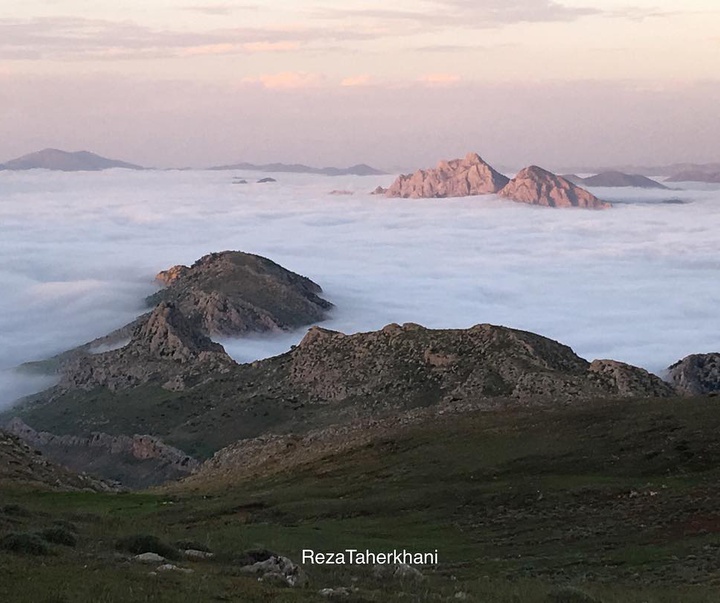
x=58, y=535
x=147, y=543
x=24, y=544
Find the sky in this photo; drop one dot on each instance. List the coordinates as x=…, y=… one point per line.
x=79, y=252
x=169, y=83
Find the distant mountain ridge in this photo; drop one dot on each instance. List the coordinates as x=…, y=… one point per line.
x=615, y=179
x=360, y=169
x=65, y=161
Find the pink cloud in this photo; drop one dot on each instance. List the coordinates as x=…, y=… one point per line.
x=287, y=80
x=439, y=79
x=356, y=80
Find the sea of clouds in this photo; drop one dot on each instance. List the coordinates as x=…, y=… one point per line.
x=637, y=283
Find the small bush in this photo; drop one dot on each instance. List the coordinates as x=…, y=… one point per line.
x=26, y=544
x=15, y=511
x=68, y=525
x=58, y=535
x=568, y=594
x=147, y=543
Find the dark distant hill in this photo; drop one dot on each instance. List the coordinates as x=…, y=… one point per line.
x=645, y=170
x=55, y=159
x=615, y=179
x=298, y=168
x=695, y=176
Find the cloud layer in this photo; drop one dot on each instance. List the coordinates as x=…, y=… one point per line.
x=635, y=283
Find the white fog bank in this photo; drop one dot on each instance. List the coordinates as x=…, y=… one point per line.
x=637, y=283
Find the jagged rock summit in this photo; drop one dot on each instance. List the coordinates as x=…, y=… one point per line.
x=455, y=178
x=473, y=176
x=537, y=186
x=165, y=349
x=234, y=293
x=696, y=374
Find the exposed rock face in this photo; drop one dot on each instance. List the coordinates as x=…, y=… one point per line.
x=378, y=190
x=410, y=366
x=695, y=176
x=234, y=293
x=626, y=380
x=696, y=374
x=537, y=186
x=619, y=179
x=165, y=349
x=20, y=464
x=139, y=461
x=455, y=178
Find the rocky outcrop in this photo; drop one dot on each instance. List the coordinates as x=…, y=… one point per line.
x=696, y=374
x=409, y=366
x=537, y=186
x=455, y=178
x=23, y=465
x=235, y=293
x=627, y=381
x=165, y=349
x=137, y=461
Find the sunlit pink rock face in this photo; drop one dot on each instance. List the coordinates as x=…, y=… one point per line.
x=537, y=186
x=455, y=178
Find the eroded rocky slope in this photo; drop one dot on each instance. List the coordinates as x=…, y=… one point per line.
x=696, y=374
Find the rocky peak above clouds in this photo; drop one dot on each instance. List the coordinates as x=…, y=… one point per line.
x=454, y=178
x=234, y=293
x=473, y=176
x=537, y=186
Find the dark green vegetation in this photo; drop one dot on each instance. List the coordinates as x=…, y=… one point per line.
x=611, y=502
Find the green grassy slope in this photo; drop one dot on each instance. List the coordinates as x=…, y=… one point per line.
x=618, y=500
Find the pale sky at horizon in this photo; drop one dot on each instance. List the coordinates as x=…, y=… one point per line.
x=566, y=82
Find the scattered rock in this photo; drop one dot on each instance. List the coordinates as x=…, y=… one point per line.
x=266, y=180
x=400, y=571
x=149, y=558
x=340, y=592
x=195, y=554
x=696, y=374
x=455, y=178
x=169, y=567
x=277, y=570
x=537, y=186
x=379, y=190
x=340, y=192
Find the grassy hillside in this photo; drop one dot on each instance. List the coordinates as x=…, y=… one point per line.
x=616, y=500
